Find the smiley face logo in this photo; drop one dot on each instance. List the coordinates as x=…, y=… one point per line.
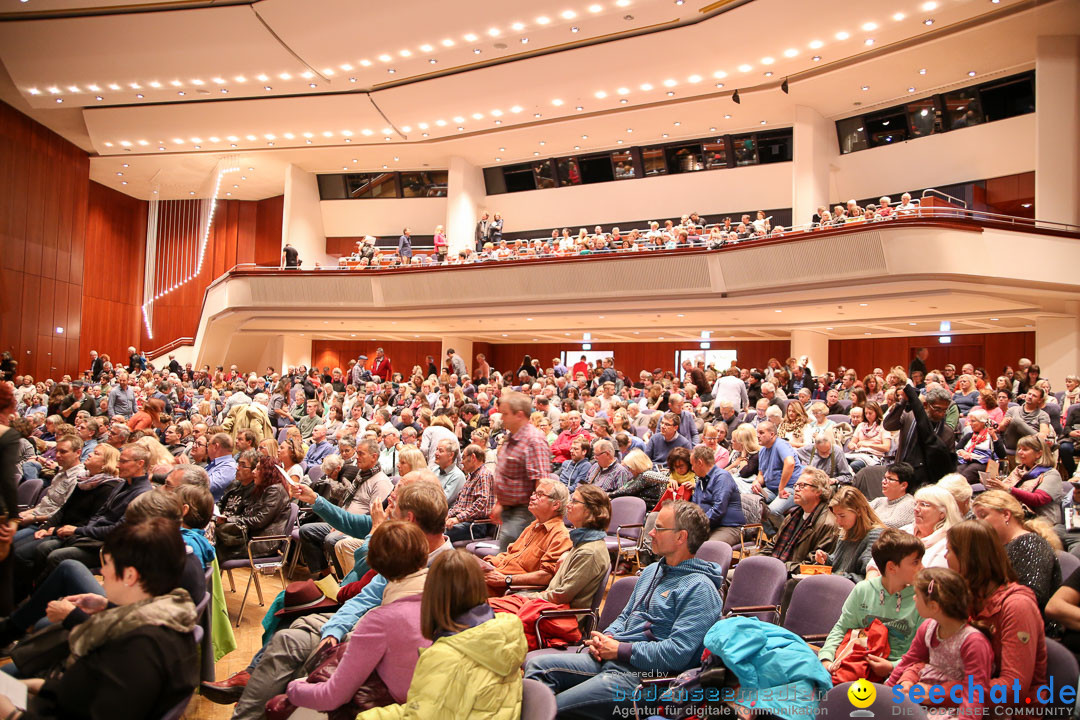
x=861, y=693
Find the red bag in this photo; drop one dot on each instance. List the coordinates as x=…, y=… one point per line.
x=850, y=663
x=557, y=632
x=354, y=588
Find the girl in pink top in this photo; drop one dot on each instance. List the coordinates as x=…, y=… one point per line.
x=947, y=651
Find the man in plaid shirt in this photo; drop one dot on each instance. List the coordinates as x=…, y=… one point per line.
x=475, y=501
x=524, y=460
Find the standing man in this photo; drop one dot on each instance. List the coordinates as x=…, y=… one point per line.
x=76, y=402
x=290, y=257
x=483, y=369
x=457, y=364
x=97, y=366
x=404, y=247
x=381, y=367
x=524, y=461
x=482, y=232
x=136, y=362
x=122, y=398
x=918, y=363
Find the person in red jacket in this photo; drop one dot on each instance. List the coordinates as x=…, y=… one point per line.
x=381, y=365
x=1006, y=607
x=561, y=447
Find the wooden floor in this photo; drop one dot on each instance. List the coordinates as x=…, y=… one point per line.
x=248, y=638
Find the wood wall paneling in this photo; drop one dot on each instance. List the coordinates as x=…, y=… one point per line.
x=992, y=351
x=268, y=219
x=403, y=355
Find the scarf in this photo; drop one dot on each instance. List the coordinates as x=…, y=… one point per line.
x=89, y=483
x=797, y=525
x=688, y=479
x=412, y=584
x=1024, y=480
x=174, y=611
x=580, y=536
x=977, y=439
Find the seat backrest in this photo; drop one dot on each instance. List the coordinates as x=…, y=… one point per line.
x=1054, y=411
x=29, y=491
x=846, y=404
x=599, y=595
x=1062, y=671
x=282, y=434
x=537, y=701
x=716, y=551
x=1069, y=563
x=315, y=473
x=627, y=511
x=641, y=431
x=836, y=704
x=758, y=580
x=839, y=418
x=616, y=600
x=816, y=604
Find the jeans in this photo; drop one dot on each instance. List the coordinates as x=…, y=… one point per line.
x=777, y=504
x=514, y=521
x=31, y=469
x=461, y=531
x=70, y=577
x=316, y=540
x=282, y=660
x=1068, y=456
x=584, y=687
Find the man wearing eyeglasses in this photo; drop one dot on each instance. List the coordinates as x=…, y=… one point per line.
x=808, y=526
x=661, y=630
x=533, y=558
x=662, y=443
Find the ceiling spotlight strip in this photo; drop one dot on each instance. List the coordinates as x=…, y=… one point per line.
x=285, y=45
x=177, y=234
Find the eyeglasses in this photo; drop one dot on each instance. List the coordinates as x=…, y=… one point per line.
x=660, y=528
x=575, y=501
x=538, y=494
x=801, y=485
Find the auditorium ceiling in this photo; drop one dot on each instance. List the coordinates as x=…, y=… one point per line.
x=163, y=91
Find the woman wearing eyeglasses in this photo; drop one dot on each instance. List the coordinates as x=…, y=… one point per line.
x=935, y=512
x=261, y=509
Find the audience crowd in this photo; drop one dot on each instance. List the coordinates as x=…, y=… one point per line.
x=944, y=496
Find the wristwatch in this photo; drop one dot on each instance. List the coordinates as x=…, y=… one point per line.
x=509, y=580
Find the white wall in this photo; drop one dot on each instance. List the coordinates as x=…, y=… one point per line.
x=301, y=221
x=1004, y=147
x=659, y=198
x=466, y=192
x=352, y=218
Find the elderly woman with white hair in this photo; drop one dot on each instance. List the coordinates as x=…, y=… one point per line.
x=961, y=491
x=935, y=512
x=979, y=445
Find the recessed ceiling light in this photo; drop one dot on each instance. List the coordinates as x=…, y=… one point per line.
x=767, y=61
x=791, y=52
x=677, y=123
x=670, y=93
x=268, y=88
x=477, y=51
x=727, y=117
x=432, y=60
x=664, y=135
x=712, y=129
x=745, y=68
x=929, y=6
x=224, y=91
x=816, y=58
x=645, y=87
x=574, y=29
x=768, y=74
x=600, y=94
x=447, y=42
x=470, y=37
x=139, y=95
x=426, y=48
x=694, y=79
x=865, y=87
x=556, y=102
x=869, y=26
x=629, y=130
x=423, y=134
x=493, y=32
x=543, y=20
x=577, y=147
x=569, y=14
x=815, y=44
x=719, y=85
x=842, y=35
x=911, y=90
x=922, y=71
x=537, y=115
x=543, y=142
x=971, y=73
x=898, y=16
x=928, y=22
x=868, y=42
x=391, y=70
x=763, y=122
x=352, y=79
x=515, y=109
x=579, y=108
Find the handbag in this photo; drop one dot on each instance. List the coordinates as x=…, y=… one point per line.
x=850, y=662
x=230, y=534
x=41, y=652
x=372, y=694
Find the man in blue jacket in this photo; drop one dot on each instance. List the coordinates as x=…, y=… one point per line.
x=404, y=247
x=661, y=630
x=718, y=495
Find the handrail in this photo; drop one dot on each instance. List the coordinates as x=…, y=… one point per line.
x=931, y=192
x=155, y=354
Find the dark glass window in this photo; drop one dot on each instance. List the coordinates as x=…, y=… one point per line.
x=684, y=158
x=715, y=154
x=624, y=165
x=652, y=158
x=545, y=174
x=1008, y=98
x=331, y=187
x=774, y=147
x=852, y=133
x=519, y=177
x=745, y=150
x=962, y=108
x=371, y=185
x=597, y=169
x=569, y=171
x=888, y=128
x=924, y=117
x=424, y=184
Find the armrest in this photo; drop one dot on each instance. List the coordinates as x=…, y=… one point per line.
x=620, y=528
x=753, y=609
x=551, y=614
x=816, y=638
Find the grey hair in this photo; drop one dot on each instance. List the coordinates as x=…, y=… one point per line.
x=369, y=445
x=820, y=479
x=979, y=414
x=332, y=462
x=703, y=453
x=192, y=475
x=603, y=445
x=936, y=394
x=691, y=518
x=560, y=491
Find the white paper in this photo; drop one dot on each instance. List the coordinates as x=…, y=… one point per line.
x=14, y=690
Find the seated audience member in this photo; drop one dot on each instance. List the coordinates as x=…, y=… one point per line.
x=825, y=455
x=198, y=511
x=473, y=666
x=743, y=463
x=475, y=501
x=977, y=446
x=819, y=412
x=420, y=500
x=808, y=526
x=446, y=470
x=966, y=396
x=263, y=510
x=1064, y=609
x=1006, y=607
x=687, y=426
x=139, y=658
x=896, y=507
x=887, y=597
x=532, y=558
x=571, y=432
x=581, y=571
x=778, y=466
x=663, y=442
x=222, y=465
x=793, y=427
x=947, y=650
x=1026, y=419
x=859, y=530
x=318, y=448
x=69, y=470
x=661, y=629
x=718, y=495
x=715, y=438
x=643, y=481
x=870, y=442
x=83, y=542
x=1035, y=482
x=1069, y=436
x=935, y=512
x=382, y=650
x=925, y=441
x=607, y=472
x=71, y=593
x=290, y=455
x=576, y=469
x=960, y=489
x=1030, y=545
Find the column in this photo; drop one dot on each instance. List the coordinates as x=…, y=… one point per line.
x=461, y=347
x=295, y=350
x=1057, y=346
x=813, y=155
x=464, y=196
x=1057, y=117
x=813, y=345
x=301, y=220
